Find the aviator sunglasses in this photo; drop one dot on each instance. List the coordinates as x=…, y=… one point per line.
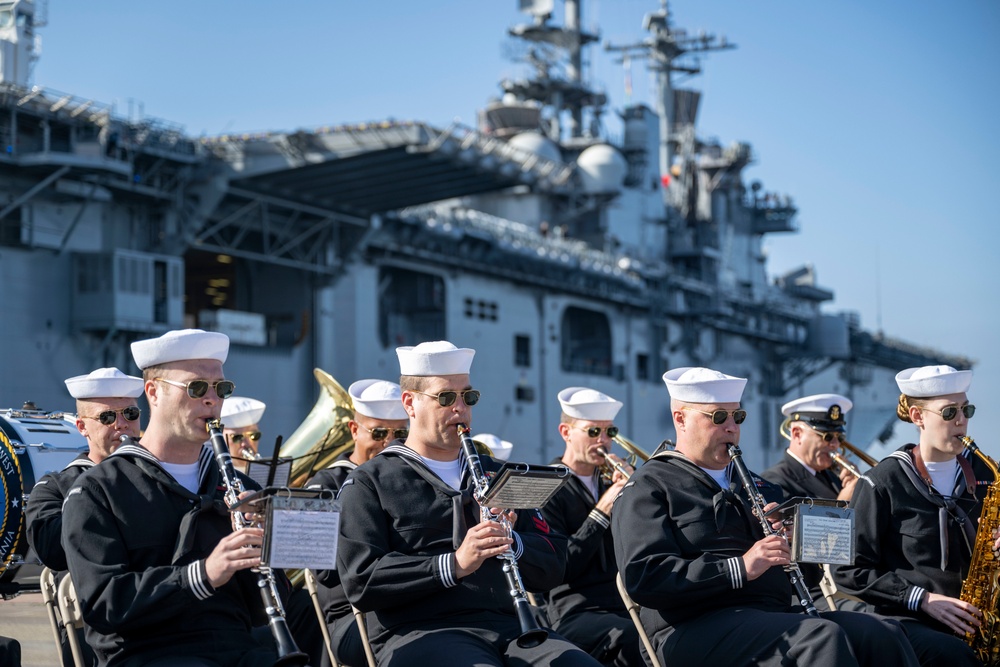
x=109, y=417
x=198, y=388
x=719, y=417
x=253, y=436
x=950, y=412
x=828, y=436
x=446, y=398
x=595, y=431
x=380, y=433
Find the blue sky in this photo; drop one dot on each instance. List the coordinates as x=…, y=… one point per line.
x=874, y=116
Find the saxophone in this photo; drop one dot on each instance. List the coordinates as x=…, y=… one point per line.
x=980, y=587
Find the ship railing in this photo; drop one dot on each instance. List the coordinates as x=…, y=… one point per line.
x=522, y=238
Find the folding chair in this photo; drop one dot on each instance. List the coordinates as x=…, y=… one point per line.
x=311, y=586
x=69, y=607
x=359, y=616
x=831, y=592
x=47, y=582
x=633, y=611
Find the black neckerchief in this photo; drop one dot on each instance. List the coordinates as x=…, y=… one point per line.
x=913, y=466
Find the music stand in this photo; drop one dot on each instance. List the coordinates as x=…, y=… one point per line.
x=822, y=529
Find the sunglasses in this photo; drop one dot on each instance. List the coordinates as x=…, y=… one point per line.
x=719, y=417
x=380, y=433
x=828, y=436
x=237, y=438
x=109, y=417
x=198, y=388
x=446, y=398
x=950, y=412
x=595, y=431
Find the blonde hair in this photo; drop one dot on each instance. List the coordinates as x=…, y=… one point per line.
x=907, y=402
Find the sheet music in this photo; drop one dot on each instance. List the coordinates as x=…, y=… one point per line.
x=522, y=491
x=303, y=538
x=258, y=471
x=825, y=537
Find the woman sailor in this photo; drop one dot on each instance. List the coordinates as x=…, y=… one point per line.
x=916, y=514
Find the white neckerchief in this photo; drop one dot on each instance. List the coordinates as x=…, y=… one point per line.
x=450, y=472
x=186, y=474
x=943, y=475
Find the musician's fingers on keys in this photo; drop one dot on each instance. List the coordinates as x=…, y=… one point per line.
x=765, y=554
x=237, y=551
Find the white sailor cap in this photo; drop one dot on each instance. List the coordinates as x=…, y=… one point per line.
x=500, y=448
x=434, y=358
x=703, y=385
x=240, y=411
x=590, y=404
x=824, y=412
x=927, y=381
x=104, y=383
x=181, y=345
x=378, y=399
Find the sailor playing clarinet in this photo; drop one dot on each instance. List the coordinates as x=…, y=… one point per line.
x=415, y=550
x=712, y=583
x=161, y=576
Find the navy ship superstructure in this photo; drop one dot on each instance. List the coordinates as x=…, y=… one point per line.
x=562, y=256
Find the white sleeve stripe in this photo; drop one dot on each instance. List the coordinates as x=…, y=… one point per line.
x=914, y=597
x=445, y=568
x=198, y=586
x=734, y=572
x=518, y=546
x=599, y=517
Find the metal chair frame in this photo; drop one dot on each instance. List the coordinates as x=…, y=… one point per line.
x=50, y=596
x=633, y=611
x=312, y=587
x=72, y=616
x=359, y=616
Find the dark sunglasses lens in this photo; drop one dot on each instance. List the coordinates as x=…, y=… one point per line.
x=108, y=417
x=224, y=389
x=739, y=416
x=197, y=389
x=130, y=413
x=471, y=397
x=612, y=431
x=949, y=413
x=379, y=433
x=401, y=433
x=255, y=436
x=594, y=431
x=446, y=398
x=968, y=411
x=237, y=438
x=719, y=417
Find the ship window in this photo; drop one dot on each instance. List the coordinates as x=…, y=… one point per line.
x=522, y=351
x=642, y=367
x=479, y=309
x=586, y=342
x=411, y=307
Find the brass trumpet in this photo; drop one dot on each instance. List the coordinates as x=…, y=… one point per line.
x=840, y=458
x=610, y=466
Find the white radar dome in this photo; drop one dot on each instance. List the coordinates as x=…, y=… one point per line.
x=533, y=142
x=602, y=169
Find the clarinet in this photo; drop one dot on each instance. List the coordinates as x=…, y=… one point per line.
x=531, y=634
x=757, y=501
x=288, y=653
